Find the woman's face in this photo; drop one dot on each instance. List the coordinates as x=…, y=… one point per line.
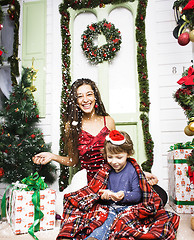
x=86, y=98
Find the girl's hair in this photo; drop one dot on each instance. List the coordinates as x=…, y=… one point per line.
x=127, y=146
x=74, y=115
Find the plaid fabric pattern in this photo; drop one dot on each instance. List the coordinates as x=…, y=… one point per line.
x=146, y=220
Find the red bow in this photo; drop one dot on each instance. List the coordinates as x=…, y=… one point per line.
x=189, y=5
x=189, y=79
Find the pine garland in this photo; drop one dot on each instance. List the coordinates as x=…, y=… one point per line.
x=142, y=72
x=13, y=60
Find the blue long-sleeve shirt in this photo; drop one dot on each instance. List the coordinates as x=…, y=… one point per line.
x=126, y=180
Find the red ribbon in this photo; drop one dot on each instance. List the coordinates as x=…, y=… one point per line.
x=189, y=79
x=190, y=5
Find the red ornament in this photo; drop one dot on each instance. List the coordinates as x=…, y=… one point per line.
x=1, y=26
x=33, y=136
x=184, y=39
x=1, y=172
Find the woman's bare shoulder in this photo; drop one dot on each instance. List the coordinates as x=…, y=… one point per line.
x=110, y=123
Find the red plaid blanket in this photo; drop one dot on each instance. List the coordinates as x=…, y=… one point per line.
x=146, y=220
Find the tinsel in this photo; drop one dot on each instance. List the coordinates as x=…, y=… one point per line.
x=13, y=60
x=142, y=72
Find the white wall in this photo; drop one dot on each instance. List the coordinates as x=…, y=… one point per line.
x=167, y=119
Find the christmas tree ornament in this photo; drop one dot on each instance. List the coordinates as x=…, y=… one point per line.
x=184, y=17
x=184, y=39
x=11, y=7
x=191, y=126
x=1, y=26
x=1, y=172
x=188, y=132
x=191, y=35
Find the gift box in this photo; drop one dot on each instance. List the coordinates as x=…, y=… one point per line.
x=181, y=194
x=21, y=211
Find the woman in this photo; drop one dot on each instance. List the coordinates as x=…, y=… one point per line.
x=87, y=125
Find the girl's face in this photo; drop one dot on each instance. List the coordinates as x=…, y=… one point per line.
x=86, y=98
x=117, y=161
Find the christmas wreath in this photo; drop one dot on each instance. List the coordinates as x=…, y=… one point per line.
x=105, y=52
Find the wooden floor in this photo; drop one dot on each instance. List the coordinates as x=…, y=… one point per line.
x=184, y=232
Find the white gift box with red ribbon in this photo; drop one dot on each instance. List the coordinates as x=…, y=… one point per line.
x=21, y=210
x=181, y=193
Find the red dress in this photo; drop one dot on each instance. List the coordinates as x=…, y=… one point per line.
x=89, y=147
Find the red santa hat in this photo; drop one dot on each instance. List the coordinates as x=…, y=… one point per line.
x=115, y=137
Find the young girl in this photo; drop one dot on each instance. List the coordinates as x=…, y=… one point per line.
x=118, y=203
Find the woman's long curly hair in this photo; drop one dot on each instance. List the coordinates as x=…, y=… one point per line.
x=73, y=115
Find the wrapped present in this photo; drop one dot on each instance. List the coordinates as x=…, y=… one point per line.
x=181, y=194
x=31, y=209
x=21, y=212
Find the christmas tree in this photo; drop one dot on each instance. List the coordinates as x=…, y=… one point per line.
x=20, y=138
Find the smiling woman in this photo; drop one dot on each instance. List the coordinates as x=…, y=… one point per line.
x=86, y=125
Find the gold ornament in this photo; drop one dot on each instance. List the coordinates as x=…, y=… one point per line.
x=11, y=7
x=188, y=132
x=191, y=126
x=191, y=35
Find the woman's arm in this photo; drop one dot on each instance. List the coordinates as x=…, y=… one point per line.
x=46, y=157
x=110, y=123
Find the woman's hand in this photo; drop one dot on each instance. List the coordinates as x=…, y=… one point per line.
x=109, y=195
x=43, y=158
x=152, y=179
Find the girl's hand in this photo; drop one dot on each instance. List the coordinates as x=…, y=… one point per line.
x=109, y=195
x=43, y=158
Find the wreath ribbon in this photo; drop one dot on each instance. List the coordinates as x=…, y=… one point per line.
x=30, y=183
